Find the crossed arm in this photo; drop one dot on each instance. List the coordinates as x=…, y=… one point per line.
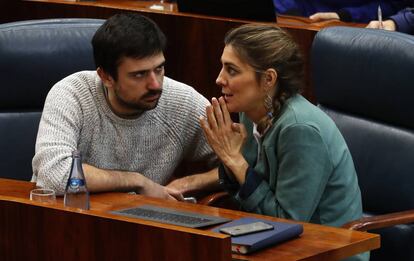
x=58, y=135
x=202, y=181
x=100, y=180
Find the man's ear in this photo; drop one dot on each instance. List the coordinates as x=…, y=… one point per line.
x=106, y=78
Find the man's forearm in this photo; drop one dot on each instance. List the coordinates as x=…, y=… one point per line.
x=197, y=182
x=101, y=180
x=206, y=181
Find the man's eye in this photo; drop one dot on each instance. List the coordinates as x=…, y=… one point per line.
x=159, y=69
x=140, y=75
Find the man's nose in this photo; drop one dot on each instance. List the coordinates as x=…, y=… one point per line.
x=154, y=81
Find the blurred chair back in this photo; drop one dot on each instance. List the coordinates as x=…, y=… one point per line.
x=34, y=55
x=364, y=80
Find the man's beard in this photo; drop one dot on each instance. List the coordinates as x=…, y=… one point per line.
x=139, y=104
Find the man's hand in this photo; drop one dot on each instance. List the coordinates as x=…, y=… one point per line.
x=197, y=182
x=152, y=189
x=102, y=180
x=323, y=16
x=183, y=185
x=386, y=25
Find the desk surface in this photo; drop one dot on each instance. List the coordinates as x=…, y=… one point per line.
x=316, y=243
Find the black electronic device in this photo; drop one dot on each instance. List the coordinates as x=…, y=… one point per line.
x=171, y=216
x=257, y=10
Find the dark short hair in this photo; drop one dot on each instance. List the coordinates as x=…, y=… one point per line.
x=126, y=35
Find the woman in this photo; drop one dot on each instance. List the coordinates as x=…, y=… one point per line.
x=286, y=158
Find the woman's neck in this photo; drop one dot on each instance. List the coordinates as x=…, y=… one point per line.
x=257, y=115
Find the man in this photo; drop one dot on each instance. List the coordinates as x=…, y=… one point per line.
x=360, y=11
x=132, y=124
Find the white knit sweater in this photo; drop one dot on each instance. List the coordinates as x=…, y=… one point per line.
x=77, y=116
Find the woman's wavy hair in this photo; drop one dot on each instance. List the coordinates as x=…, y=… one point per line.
x=264, y=47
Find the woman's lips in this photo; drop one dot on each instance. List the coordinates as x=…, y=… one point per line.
x=227, y=96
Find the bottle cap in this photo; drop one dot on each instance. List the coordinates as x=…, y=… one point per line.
x=76, y=154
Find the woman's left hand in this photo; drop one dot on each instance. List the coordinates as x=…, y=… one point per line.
x=225, y=137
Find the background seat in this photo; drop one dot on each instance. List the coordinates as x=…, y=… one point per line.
x=34, y=55
x=363, y=80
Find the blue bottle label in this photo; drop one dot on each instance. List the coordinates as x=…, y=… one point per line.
x=76, y=183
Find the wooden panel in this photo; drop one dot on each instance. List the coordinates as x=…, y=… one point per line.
x=33, y=232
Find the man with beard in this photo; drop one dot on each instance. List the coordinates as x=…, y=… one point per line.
x=132, y=124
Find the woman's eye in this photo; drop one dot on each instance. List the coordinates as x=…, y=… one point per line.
x=232, y=71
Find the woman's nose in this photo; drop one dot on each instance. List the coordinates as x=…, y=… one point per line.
x=220, y=81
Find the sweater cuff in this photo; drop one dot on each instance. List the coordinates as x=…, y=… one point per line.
x=344, y=15
x=251, y=183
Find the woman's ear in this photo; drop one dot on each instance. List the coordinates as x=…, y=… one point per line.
x=270, y=78
x=106, y=78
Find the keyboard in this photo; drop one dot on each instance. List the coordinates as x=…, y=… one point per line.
x=171, y=216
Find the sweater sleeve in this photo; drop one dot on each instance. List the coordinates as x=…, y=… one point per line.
x=404, y=20
x=200, y=150
x=58, y=136
x=303, y=172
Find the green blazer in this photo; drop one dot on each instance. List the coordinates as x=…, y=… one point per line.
x=305, y=171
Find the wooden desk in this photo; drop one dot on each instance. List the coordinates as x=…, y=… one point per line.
x=195, y=42
x=99, y=233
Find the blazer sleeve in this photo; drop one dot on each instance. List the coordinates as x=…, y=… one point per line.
x=404, y=20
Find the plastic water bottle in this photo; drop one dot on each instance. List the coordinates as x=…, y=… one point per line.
x=76, y=192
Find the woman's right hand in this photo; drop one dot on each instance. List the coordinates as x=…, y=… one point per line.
x=225, y=137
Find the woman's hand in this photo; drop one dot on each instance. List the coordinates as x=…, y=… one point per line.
x=225, y=137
